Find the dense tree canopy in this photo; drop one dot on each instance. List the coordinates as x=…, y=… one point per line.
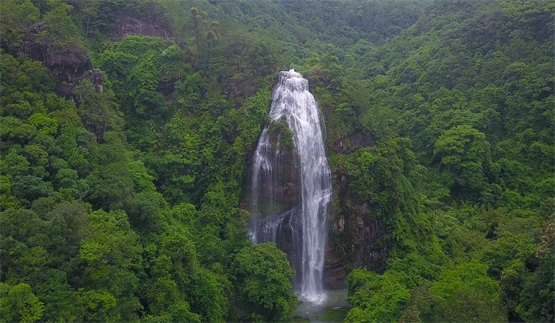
x=127, y=128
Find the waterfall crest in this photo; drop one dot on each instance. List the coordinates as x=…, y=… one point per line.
x=291, y=186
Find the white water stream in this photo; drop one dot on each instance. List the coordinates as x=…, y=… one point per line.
x=293, y=101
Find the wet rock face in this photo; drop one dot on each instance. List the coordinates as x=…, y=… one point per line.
x=281, y=189
x=279, y=198
x=346, y=144
x=287, y=231
x=354, y=238
x=132, y=26
x=70, y=62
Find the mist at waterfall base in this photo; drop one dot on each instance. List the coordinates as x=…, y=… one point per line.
x=294, y=220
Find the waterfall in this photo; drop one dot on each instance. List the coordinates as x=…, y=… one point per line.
x=291, y=186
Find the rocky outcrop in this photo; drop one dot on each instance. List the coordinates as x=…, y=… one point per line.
x=355, y=236
x=69, y=61
x=128, y=26
x=96, y=77
x=349, y=143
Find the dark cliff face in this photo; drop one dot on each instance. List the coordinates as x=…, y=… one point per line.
x=133, y=26
x=70, y=62
x=354, y=236
x=280, y=191
x=354, y=232
x=279, y=195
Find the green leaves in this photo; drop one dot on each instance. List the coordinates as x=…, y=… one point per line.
x=468, y=275
x=18, y=303
x=376, y=298
x=261, y=277
x=99, y=305
x=137, y=66
x=461, y=144
x=467, y=293
x=111, y=251
x=16, y=17
x=465, y=154
x=44, y=124
x=96, y=109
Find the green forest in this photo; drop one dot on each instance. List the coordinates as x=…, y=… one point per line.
x=127, y=129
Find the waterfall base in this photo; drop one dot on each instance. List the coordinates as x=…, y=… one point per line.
x=314, y=298
x=333, y=309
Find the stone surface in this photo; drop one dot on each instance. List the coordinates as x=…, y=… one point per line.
x=286, y=195
x=355, y=233
x=282, y=202
x=354, y=238
x=70, y=62
x=128, y=26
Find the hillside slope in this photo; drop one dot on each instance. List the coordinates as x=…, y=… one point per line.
x=127, y=129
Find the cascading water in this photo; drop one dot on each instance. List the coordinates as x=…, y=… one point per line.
x=295, y=219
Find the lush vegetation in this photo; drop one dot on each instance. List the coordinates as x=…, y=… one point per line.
x=120, y=200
